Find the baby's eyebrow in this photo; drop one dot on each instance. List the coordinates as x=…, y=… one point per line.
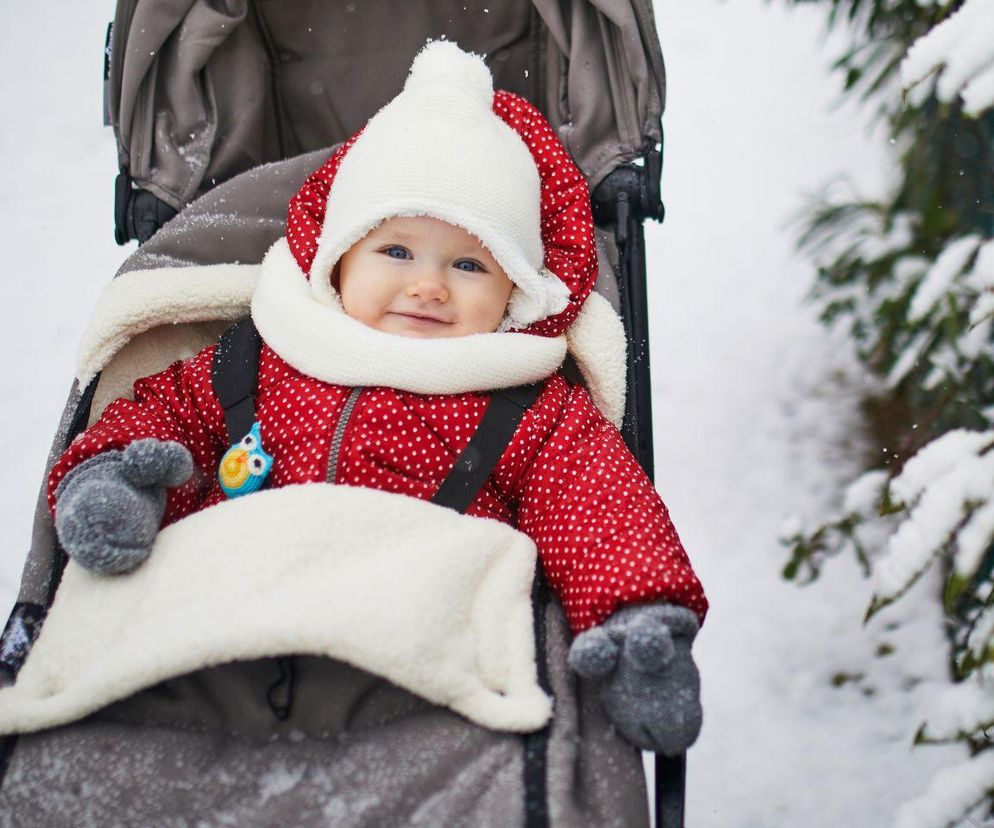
x=392, y=239
x=381, y=235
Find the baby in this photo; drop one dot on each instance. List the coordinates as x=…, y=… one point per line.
x=441, y=254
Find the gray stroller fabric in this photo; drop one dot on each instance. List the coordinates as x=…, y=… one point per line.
x=353, y=750
x=200, y=91
x=301, y=741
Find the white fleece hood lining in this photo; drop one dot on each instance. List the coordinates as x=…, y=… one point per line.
x=537, y=291
x=305, y=569
x=140, y=300
x=321, y=341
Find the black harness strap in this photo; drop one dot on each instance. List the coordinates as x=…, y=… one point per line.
x=471, y=471
x=235, y=376
x=478, y=459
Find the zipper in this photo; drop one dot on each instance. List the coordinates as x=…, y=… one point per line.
x=336, y=441
x=280, y=694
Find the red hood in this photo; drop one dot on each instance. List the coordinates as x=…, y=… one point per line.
x=565, y=206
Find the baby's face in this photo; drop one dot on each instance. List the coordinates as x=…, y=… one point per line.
x=422, y=277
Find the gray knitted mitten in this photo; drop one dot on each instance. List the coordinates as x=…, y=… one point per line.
x=109, y=508
x=650, y=687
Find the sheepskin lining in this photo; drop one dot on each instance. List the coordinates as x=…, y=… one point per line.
x=304, y=569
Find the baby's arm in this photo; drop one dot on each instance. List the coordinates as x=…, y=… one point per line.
x=610, y=551
x=108, y=491
x=603, y=533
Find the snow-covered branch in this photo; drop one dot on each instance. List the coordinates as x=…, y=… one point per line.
x=962, y=709
x=941, y=486
x=951, y=796
x=961, y=50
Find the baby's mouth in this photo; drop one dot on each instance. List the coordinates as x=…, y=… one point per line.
x=420, y=318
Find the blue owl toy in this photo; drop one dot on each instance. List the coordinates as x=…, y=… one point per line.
x=245, y=466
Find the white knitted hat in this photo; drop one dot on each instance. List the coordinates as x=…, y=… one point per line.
x=438, y=150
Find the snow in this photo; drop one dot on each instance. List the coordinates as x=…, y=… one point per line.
x=15, y=641
x=981, y=280
x=876, y=245
x=809, y=715
x=863, y=494
x=932, y=523
x=937, y=459
x=953, y=792
x=983, y=269
x=962, y=708
x=980, y=636
x=943, y=477
x=974, y=538
x=939, y=277
x=910, y=356
x=976, y=341
x=962, y=47
x=278, y=780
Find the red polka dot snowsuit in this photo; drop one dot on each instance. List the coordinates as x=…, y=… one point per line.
x=566, y=479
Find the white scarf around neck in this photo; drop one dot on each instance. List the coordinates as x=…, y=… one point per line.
x=320, y=340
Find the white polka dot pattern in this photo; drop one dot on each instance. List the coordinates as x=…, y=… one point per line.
x=567, y=479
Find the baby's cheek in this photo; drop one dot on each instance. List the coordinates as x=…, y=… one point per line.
x=491, y=315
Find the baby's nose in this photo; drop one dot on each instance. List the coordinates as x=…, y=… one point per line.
x=429, y=285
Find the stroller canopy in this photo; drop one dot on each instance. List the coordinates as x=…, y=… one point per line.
x=201, y=90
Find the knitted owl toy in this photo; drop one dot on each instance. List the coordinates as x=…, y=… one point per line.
x=245, y=466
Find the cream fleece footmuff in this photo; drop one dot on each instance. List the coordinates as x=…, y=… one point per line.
x=437, y=602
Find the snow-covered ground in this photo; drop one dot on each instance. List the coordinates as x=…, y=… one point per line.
x=808, y=714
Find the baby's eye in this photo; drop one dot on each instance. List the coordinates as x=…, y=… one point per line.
x=396, y=251
x=469, y=266
x=256, y=465
x=248, y=442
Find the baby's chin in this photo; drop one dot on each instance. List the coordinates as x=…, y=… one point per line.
x=442, y=334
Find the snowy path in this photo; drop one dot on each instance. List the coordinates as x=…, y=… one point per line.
x=752, y=421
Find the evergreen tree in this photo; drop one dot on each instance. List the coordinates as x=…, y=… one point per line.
x=911, y=276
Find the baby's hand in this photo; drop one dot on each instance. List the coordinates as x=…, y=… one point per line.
x=109, y=509
x=651, y=688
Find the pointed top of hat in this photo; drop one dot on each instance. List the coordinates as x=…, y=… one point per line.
x=443, y=62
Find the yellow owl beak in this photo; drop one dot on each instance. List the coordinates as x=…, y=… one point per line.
x=234, y=468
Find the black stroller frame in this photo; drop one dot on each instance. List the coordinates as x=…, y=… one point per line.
x=624, y=196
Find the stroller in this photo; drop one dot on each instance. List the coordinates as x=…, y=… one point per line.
x=213, y=104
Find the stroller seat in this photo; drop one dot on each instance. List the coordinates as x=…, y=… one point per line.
x=192, y=130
